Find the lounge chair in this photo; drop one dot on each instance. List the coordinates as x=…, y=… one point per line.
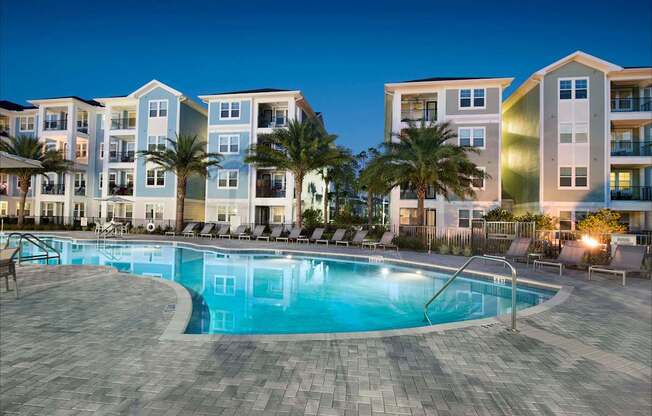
x=188, y=230
x=571, y=255
x=316, y=235
x=223, y=230
x=240, y=230
x=338, y=235
x=385, y=242
x=8, y=267
x=518, y=249
x=257, y=232
x=275, y=234
x=358, y=239
x=626, y=259
x=207, y=231
x=295, y=234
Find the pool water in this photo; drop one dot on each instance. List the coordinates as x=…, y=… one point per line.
x=276, y=294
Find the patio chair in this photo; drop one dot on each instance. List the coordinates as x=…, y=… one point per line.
x=357, y=240
x=571, y=255
x=385, y=242
x=240, y=230
x=295, y=234
x=224, y=230
x=316, y=235
x=338, y=235
x=275, y=234
x=8, y=267
x=518, y=249
x=626, y=259
x=188, y=230
x=257, y=232
x=207, y=230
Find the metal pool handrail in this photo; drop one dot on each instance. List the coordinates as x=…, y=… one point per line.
x=50, y=252
x=459, y=271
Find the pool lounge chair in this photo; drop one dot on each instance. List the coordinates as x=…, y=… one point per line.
x=275, y=234
x=8, y=267
x=207, y=230
x=316, y=235
x=338, y=235
x=385, y=242
x=295, y=234
x=223, y=230
x=571, y=255
x=626, y=259
x=188, y=230
x=358, y=239
x=518, y=249
x=240, y=230
x=258, y=231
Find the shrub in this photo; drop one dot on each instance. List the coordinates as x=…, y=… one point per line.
x=601, y=222
x=467, y=251
x=443, y=249
x=409, y=243
x=311, y=218
x=456, y=250
x=498, y=214
x=542, y=221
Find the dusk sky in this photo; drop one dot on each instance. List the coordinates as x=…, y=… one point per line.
x=338, y=53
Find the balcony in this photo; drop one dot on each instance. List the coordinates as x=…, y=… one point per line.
x=82, y=127
x=121, y=157
x=631, y=148
x=269, y=192
x=418, y=116
x=55, y=124
x=410, y=194
x=631, y=104
x=80, y=190
x=123, y=123
x=631, y=193
x=124, y=190
x=53, y=189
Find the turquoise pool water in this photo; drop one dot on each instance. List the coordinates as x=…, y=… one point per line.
x=276, y=294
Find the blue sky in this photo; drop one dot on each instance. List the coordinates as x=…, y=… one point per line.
x=339, y=53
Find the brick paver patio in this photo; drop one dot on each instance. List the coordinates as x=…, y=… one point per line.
x=85, y=340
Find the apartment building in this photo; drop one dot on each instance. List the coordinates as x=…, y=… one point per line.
x=15, y=119
x=240, y=192
x=577, y=137
x=473, y=108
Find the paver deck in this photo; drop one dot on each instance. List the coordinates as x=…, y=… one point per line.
x=84, y=340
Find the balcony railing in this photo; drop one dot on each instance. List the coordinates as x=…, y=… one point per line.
x=273, y=124
x=624, y=105
x=82, y=127
x=415, y=116
x=123, y=123
x=631, y=193
x=631, y=148
x=127, y=190
x=80, y=190
x=3, y=189
x=53, y=189
x=56, y=124
x=122, y=157
x=410, y=194
x=269, y=192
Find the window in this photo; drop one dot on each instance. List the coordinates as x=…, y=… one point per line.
x=154, y=211
x=464, y=217
x=408, y=216
x=158, y=108
x=229, y=144
x=580, y=215
x=79, y=210
x=581, y=132
x=577, y=133
x=26, y=123
x=565, y=89
x=278, y=215
x=565, y=220
x=472, y=98
x=28, y=208
x=155, y=177
x=224, y=213
x=101, y=179
x=156, y=143
x=478, y=182
x=471, y=137
x=101, y=150
x=224, y=285
x=229, y=110
x=82, y=150
x=581, y=89
x=4, y=208
x=47, y=209
x=227, y=178
x=80, y=180
x=565, y=177
x=565, y=132
x=577, y=88
x=581, y=179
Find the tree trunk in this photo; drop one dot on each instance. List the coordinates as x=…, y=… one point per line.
x=325, y=202
x=298, y=188
x=370, y=208
x=181, y=200
x=421, y=207
x=24, y=188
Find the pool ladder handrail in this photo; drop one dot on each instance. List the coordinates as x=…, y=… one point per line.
x=49, y=251
x=461, y=269
x=114, y=229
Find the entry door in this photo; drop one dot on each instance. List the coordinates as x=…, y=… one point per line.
x=431, y=111
x=262, y=215
x=622, y=99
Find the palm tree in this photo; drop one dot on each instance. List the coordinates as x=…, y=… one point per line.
x=31, y=148
x=301, y=148
x=186, y=156
x=425, y=156
x=374, y=180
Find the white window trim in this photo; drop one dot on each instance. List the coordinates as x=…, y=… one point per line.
x=156, y=175
x=572, y=80
x=471, y=128
x=224, y=286
x=156, y=205
x=228, y=145
x=473, y=106
x=484, y=180
x=160, y=140
x=470, y=215
x=573, y=176
x=230, y=103
x=20, y=124
x=158, y=108
x=227, y=179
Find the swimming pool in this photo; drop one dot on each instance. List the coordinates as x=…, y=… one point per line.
x=253, y=293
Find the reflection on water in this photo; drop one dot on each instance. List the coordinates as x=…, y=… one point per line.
x=242, y=293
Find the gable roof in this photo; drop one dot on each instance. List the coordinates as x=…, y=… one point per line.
x=11, y=106
x=446, y=79
x=254, y=91
x=73, y=97
x=150, y=86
